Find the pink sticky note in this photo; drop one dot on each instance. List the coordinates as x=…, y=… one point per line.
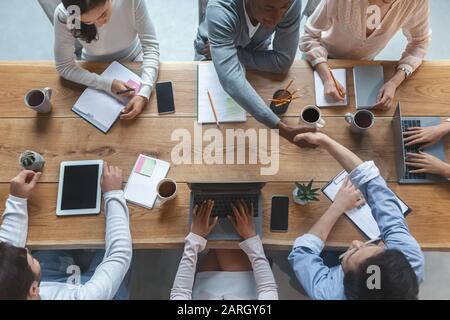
x=132, y=84
x=140, y=164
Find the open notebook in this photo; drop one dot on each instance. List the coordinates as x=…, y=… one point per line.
x=142, y=183
x=321, y=100
x=362, y=217
x=226, y=108
x=102, y=109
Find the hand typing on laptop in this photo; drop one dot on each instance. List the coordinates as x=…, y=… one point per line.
x=243, y=219
x=426, y=163
x=426, y=136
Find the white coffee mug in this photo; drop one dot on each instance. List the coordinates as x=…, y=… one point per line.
x=360, y=121
x=39, y=100
x=166, y=190
x=311, y=115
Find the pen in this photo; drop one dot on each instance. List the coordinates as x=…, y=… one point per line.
x=124, y=91
x=365, y=244
x=213, y=109
x=336, y=84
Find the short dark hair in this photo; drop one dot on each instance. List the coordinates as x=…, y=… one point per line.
x=16, y=275
x=86, y=32
x=397, y=279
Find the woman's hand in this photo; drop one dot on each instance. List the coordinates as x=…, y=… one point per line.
x=426, y=163
x=118, y=86
x=201, y=224
x=243, y=219
x=426, y=136
x=134, y=108
x=386, y=96
x=331, y=92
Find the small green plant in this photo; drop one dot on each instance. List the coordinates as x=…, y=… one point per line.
x=305, y=193
x=28, y=159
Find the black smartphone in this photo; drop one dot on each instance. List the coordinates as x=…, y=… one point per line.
x=164, y=95
x=279, y=215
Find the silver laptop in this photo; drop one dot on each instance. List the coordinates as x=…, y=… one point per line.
x=400, y=125
x=224, y=194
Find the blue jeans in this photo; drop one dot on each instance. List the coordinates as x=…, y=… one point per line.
x=55, y=268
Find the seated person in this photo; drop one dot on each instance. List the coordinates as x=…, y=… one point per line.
x=23, y=277
x=108, y=30
x=400, y=260
x=237, y=34
x=224, y=274
x=337, y=29
x=427, y=136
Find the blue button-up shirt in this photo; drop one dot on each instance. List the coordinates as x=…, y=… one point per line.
x=321, y=282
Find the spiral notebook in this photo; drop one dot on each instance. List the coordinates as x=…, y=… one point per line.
x=102, y=109
x=362, y=217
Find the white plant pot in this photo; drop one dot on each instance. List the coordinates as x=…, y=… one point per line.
x=38, y=163
x=297, y=200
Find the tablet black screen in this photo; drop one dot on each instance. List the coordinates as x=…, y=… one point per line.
x=80, y=187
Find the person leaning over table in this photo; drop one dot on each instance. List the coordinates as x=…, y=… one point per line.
x=427, y=136
x=109, y=30
x=23, y=277
x=400, y=260
x=237, y=34
x=224, y=274
x=348, y=29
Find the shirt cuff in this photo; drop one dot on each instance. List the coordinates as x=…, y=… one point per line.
x=364, y=173
x=17, y=199
x=310, y=241
x=196, y=239
x=104, y=84
x=145, y=91
x=272, y=121
x=251, y=244
x=316, y=61
x=113, y=193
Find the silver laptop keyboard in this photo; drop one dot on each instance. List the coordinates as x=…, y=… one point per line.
x=222, y=202
x=412, y=149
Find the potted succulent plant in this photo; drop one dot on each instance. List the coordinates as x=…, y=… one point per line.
x=303, y=194
x=31, y=160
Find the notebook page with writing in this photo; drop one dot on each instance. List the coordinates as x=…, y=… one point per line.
x=321, y=100
x=226, y=108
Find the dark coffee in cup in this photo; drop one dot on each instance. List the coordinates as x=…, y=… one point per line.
x=36, y=98
x=167, y=189
x=363, y=120
x=311, y=115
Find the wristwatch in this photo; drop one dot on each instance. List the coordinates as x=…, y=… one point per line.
x=407, y=72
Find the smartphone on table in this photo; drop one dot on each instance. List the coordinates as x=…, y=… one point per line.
x=279, y=216
x=164, y=96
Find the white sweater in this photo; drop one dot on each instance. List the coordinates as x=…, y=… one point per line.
x=266, y=287
x=109, y=274
x=129, y=32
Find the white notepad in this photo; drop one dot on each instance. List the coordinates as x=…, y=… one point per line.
x=321, y=100
x=100, y=108
x=362, y=217
x=141, y=186
x=227, y=109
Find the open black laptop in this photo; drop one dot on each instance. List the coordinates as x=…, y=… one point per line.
x=224, y=194
x=400, y=125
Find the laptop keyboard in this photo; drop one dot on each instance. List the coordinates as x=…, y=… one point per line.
x=412, y=149
x=222, y=202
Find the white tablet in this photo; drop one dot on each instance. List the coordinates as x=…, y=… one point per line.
x=79, y=191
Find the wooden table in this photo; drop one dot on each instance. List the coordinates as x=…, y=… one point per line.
x=62, y=136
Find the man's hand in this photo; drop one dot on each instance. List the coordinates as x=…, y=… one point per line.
x=315, y=139
x=134, y=108
x=386, y=96
x=348, y=197
x=201, y=224
x=426, y=136
x=426, y=163
x=112, y=178
x=24, y=183
x=290, y=132
x=243, y=219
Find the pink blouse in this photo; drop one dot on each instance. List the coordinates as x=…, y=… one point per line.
x=337, y=28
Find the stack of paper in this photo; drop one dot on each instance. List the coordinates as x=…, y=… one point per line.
x=226, y=108
x=146, y=174
x=100, y=108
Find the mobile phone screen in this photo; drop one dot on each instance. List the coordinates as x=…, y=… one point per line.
x=164, y=94
x=280, y=214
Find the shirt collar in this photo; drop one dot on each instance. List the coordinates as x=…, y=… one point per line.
x=251, y=28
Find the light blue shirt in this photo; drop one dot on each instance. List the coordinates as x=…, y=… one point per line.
x=321, y=282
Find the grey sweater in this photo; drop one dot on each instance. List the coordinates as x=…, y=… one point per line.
x=232, y=51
